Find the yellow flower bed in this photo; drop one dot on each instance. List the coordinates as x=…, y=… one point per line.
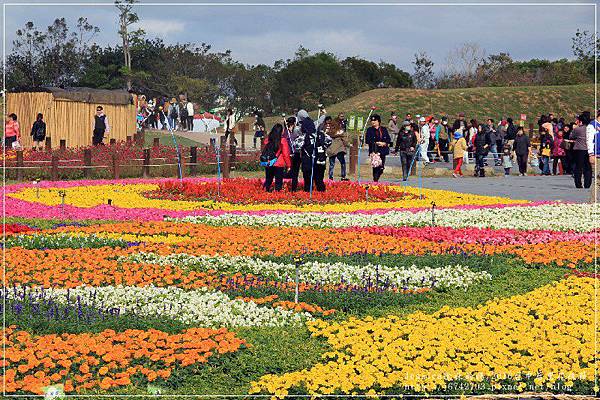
x=131, y=196
x=545, y=333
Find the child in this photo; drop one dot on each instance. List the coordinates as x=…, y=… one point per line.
x=507, y=160
x=459, y=148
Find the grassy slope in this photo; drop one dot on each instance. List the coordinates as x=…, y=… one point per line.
x=481, y=102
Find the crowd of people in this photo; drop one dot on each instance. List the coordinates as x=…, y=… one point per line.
x=162, y=113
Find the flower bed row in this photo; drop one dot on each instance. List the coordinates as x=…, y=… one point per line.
x=108, y=359
x=546, y=334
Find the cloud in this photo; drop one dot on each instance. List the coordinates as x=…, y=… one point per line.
x=161, y=28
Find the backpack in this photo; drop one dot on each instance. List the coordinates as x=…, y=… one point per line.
x=173, y=112
x=268, y=157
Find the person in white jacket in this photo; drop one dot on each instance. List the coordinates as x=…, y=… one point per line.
x=425, y=133
x=190, y=117
x=229, y=124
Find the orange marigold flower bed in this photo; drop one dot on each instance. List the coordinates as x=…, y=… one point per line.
x=289, y=305
x=107, y=359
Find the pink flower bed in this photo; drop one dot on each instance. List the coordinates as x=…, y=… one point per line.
x=483, y=236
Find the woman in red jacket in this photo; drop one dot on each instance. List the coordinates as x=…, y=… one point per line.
x=278, y=146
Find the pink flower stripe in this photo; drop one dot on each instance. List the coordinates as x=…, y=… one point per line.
x=483, y=236
x=22, y=208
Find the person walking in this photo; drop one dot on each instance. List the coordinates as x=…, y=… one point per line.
x=507, y=159
x=101, y=127
x=424, y=136
x=459, y=148
x=481, y=144
x=12, y=131
x=406, y=145
x=580, y=152
x=558, y=154
x=379, y=141
x=338, y=149
x=38, y=132
x=522, y=149
x=443, y=139
x=546, y=145
x=313, y=153
x=277, y=146
x=393, y=127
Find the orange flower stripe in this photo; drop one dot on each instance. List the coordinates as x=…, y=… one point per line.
x=289, y=305
x=107, y=359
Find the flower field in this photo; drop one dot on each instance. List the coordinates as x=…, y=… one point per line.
x=205, y=287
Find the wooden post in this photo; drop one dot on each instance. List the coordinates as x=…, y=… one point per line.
x=63, y=144
x=87, y=163
x=140, y=139
x=20, y=165
x=54, y=168
x=113, y=141
x=156, y=143
x=225, y=158
x=243, y=130
x=353, y=156
x=146, y=167
x=48, y=144
x=232, y=153
x=193, y=160
x=115, y=166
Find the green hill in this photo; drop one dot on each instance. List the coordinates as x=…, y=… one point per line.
x=481, y=103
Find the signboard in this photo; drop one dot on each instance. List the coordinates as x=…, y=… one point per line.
x=360, y=124
x=523, y=117
x=521, y=123
x=351, y=122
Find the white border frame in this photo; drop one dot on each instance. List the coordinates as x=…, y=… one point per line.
x=324, y=4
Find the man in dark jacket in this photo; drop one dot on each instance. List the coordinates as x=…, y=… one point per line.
x=460, y=123
x=482, y=143
x=406, y=144
x=511, y=133
x=522, y=148
x=313, y=152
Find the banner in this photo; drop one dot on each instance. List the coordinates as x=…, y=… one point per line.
x=351, y=122
x=360, y=123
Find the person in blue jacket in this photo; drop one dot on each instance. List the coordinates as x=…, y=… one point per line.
x=379, y=141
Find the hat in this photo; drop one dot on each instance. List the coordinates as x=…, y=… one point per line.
x=422, y=119
x=457, y=135
x=375, y=117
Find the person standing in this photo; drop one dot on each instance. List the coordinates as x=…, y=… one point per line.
x=558, y=154
x=101, y=126
x=229, y=124
x=511, y=133
x=522, y=148
x=314, y=154
x=443, y=138
x=12, y=131
x=259, y=127
x=569, y=164
x=277, y=145
x=424, y=135
x=393, y=127
x=378, y=140
x=296, y=139
x=593, y=142
x=338, y=149
x=173, y=114
x=493, y=133
x=507, y=160
x=183, y=115
x=470, y=137
x=406, y=145
x=38, y=132
x=190, y=116
x=546, y=145
x=581, y=152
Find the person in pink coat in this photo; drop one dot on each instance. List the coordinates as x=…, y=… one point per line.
x=558, y=154
x=277, y=145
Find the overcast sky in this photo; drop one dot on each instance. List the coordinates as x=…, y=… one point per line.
x=393, y=33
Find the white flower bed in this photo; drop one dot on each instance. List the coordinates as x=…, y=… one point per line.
x=412, y=277
x=198, y=307
x=556, y=216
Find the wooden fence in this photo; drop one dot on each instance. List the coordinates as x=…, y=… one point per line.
x=189, y=164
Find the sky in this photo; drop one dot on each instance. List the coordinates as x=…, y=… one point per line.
x=392, y=33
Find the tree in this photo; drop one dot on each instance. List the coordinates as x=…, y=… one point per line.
x=26, y=53
x=423, y=75
x=128, y=17
x=585, y=49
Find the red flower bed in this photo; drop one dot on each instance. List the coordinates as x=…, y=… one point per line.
x=245, y=191
x=17, y=228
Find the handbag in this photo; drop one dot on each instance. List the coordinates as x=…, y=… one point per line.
x=546, y=152
x=375, y=160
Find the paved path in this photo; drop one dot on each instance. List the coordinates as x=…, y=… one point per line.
x=538, y=188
